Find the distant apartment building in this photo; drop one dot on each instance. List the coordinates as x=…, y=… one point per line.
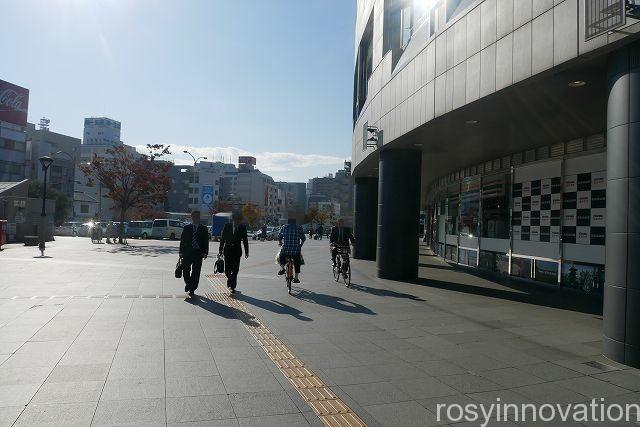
x=294, y=196
x=64, y=149
x=100, y=135
x=14, y=105
x=200, y=190
x=337, y=189
x=101, y=131
x=249, y=185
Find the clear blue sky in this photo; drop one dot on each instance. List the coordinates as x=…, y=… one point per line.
x=262, y=76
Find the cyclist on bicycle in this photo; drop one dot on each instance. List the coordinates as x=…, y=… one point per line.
x=291, y=238
x=340, y=238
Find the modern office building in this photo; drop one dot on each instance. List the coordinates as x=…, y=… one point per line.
x=294, y=199
x=101, y=131
x=14, y=106
x=198, y=188
x=250, y=185
x=179, y=198
x=64, y=149
x=514, y=125
x=337, y=188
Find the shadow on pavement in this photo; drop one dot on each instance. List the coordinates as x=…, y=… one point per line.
x=273, y=306
x=525, y=293
x=331, y=301
x=383, y=292
x=146, y=250
x=222, y=310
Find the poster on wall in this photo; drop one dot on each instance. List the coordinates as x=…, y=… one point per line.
x=586, y=277
x=536, y=210
x=584, y=208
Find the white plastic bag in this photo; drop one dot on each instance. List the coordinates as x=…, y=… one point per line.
x=277, y=259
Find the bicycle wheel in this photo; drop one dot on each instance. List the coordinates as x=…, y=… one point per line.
x=336, y=272
x=346, y=275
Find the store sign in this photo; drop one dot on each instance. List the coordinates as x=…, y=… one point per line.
x=14, y=103
x=20, y=203
x=19, y=218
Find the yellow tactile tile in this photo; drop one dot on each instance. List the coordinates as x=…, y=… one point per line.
x=325, y=403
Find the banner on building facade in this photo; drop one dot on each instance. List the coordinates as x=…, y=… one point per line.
x=206, y=195
x=14, y=103
x=537, y=202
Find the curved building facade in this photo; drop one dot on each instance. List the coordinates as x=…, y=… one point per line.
x=513, y=128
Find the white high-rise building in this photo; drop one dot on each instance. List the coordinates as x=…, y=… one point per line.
x=101, y=131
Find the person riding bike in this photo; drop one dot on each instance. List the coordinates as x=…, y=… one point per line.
x=340, y=237
x=291, y=238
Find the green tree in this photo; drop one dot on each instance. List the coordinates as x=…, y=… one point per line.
x=61, y=199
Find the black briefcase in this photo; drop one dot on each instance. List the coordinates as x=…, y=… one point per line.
x=219, y=265
x=178, y=272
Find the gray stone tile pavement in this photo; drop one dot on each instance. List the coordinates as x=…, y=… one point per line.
x=393, y=351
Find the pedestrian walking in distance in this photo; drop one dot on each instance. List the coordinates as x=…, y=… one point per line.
x=194, y=247
x=234, y=235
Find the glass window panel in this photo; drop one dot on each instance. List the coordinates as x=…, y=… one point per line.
x=586, y=277
x=521, y=267
x=470, y=207
x=495, y=206
x=546, y=272
x=406, y=25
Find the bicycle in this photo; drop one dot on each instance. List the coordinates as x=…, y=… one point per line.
x=342, y=266
x=288, y=267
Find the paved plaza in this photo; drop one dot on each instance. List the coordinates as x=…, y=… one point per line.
x=103, y=335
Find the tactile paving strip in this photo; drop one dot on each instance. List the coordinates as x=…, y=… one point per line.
x=325, y=403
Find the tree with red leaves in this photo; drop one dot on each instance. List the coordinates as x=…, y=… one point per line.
x=132, y=180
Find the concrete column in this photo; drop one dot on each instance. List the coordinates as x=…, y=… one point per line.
x=398, y=213
x=621, y=340
x=365, y=218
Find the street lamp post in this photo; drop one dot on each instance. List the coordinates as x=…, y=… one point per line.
x=45, y=161
x=195, y=161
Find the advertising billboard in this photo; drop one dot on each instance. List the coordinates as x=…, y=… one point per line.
x=250, y=160
x=207, y=195
x=14, y=103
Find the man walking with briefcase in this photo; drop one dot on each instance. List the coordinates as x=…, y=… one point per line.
x=233, y=237
x=194, y=247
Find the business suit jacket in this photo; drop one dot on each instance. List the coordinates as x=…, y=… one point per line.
x=231, y=242
x=346, y=235
x=186, y=243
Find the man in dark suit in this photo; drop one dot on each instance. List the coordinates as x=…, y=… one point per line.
x=194, y=247
x=234, y=235
x=340, y=237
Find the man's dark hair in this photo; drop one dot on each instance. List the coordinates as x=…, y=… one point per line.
x=195, y=212
x=291, y=221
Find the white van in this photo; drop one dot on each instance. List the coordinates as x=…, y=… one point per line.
x=166, y=229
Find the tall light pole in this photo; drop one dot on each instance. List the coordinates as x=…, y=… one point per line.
x=195, y=161
x=65, y=187
x=45, y=161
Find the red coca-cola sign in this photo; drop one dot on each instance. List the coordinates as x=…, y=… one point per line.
x=14, y=103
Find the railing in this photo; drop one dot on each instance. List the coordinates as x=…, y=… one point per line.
x=602, y=16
